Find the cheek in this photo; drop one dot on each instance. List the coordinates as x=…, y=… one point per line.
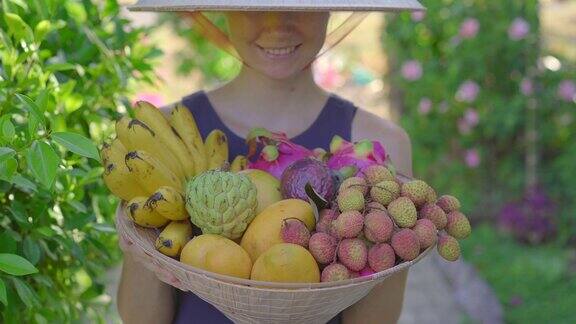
x=241, y=30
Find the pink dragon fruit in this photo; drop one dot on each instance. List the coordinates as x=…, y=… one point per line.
x=277, y=151
x=361, y=154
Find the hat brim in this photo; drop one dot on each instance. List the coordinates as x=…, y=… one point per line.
x=277, y=5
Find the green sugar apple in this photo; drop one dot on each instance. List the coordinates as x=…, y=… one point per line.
x=221, y=202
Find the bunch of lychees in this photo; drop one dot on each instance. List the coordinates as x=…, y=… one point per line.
x=378, y=221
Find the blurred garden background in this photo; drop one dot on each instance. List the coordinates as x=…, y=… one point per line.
x=486, y=90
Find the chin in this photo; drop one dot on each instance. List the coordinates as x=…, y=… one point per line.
x=279, y=74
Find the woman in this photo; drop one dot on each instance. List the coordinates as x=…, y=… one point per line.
x=274, y=89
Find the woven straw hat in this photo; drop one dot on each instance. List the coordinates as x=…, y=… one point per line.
x=277, y=5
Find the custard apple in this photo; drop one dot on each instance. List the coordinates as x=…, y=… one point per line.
x=221, y=202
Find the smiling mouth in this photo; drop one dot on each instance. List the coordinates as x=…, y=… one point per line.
x=279, y=52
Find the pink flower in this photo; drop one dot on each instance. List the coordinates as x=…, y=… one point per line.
x=471, y=117
x=567, y=90
x=463, y=127
x=469, y=28
x=412, y=70
x=418, y=16
x=153, y=98
x=527, y=86
x=327, y=75
x=472, y=158
x=519, y=29
x=425, y=106
x=468, y=91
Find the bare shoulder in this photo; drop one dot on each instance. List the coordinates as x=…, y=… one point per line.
x=394, y=138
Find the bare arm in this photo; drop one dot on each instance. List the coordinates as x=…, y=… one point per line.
x=142, y=298
x=384, y=303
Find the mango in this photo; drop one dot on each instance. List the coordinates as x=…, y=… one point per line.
x=267, y=187
x=217, y=254
x=286, y=262
x=264, y=231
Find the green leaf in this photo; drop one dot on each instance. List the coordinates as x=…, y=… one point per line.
x=43, y=163
x=8, y=169
x=27, y=295
x=105, y=228
x=40, y=319
x=31, y=250
x=45, y=231
x=5, y=153
x=32, y=126
x=17, y=27
x=24, y=184
x=16, y=265
x=78, y=206
x=42, y=29
x=3, y=297
x=72, y=102
x=31, y=107
x=20, y=3
x=77, y=144
x=60, y=67
x=7, y=130
x=7, y=242
x=76, y=11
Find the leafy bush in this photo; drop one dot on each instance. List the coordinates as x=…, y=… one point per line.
x=535, y=284
x=490, y=113
x=65, y=70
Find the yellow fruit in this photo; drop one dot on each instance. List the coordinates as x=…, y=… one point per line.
x=216, y=149
x=217, y=254
x=169, y=203
x=183, y=122
x=267, y=186
x=286, y=262
x=136, y=135
x=152, y=116
x=173, y=238
x=264, y=231
x=115, y=151
x=240, y=163
x=120, y=182
x=151, y=173
x=143, y=215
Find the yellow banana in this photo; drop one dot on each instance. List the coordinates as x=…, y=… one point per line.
x=143, y=215
x=113, y=151
x=120, y=182
x=173, y=238
x=116, y=175
x=240, y=163
x=183, y=122
x=150, y=173
x=152, y=116
x=122, y=124
x=169, y=203
x=216, y=149
x=136, y=135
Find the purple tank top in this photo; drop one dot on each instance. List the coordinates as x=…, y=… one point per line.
x=335, y=118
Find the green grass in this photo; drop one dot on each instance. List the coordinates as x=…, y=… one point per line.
x=541, y=277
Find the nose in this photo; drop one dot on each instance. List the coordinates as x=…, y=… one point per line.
x=274, y=20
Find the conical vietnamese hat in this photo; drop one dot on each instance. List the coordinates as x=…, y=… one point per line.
x=277, y=5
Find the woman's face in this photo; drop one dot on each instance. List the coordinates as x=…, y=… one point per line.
x=278, y=44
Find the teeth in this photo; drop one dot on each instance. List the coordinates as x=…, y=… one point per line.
x=279, y=51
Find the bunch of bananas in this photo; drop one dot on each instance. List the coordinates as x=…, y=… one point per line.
x=149, y=162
